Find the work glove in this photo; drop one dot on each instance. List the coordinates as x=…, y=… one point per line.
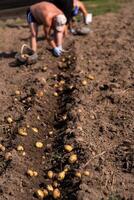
x=61, y=49
x=88, y=18
x=73, y=31
x=57, y=51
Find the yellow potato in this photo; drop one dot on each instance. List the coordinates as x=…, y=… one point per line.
x=35, y=173
x=61, y=175
x=39, y=144
x=17, y=92
x=50, y=174
x=40, y=194
x=30, y=172
x=9, y=120
x=45, y=193
x=86, y=173
x=90, y=77
x=73, y=158
x=50, y=188
x=68, y=148
x=35, y=129
x=56, y=193
x=22, y=131
x=78, y=174
x=40, y=94
x=20, y=148
x=23, y=153
x=56, y=94
x=84, y=82
x=2, y=148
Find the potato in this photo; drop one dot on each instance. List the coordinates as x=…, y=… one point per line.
x=84, y=82
x=56, y=94
x=78, y=174
x=50, y=174
x=9, y=120
x=86, y=173
x=35, y=129
x=30, y=172
x=73, y=158
x=39, y=144
x=20, y=148
x=68, y=148
x=45, y=193
x=2, y=148
x=40, y=194
x=90, y=77
x=35, y=173
x=61, y=175
x=50, y=188
x=56, y=193
x=22, y=131
x=40, y=94
x=17, y=92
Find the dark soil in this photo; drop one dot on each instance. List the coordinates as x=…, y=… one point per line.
x=95, y=117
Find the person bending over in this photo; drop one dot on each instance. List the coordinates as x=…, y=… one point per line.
x=52, y=19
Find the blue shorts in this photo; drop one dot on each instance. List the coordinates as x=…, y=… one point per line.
x=30, y=17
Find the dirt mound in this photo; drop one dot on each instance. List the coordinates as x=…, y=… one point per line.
x=83, y=99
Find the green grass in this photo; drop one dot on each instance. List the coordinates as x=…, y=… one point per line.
x=99, y=7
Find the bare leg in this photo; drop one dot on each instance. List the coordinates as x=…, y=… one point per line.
x=34, y=32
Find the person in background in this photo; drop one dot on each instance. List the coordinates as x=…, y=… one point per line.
x=52, y=19
x=71, y=8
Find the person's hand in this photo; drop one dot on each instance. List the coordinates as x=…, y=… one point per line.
x=73, y=31
x=88, y=18
x=57, y=51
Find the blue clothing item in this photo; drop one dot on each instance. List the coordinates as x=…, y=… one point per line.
x=30, y=17
x=75, y=11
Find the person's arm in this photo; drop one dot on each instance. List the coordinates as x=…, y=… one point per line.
x=49, y=38
x=56, y=50
x=87, y=16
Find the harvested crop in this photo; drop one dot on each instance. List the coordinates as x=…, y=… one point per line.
x=56, y=193
x=84, y=82
x=72, y=158
x=40, y=194
x=35, y=130
x=90, y=77
x=61, y=175
x=30, y=172
x=86, y=173
x=17, y=92
x=22, y=131
x=56, y=94
x=9, y=120
x=39, y=144
x=20, y=148
x=68, y=148
x=40, y=94
x=50, y=188
x=78, y=174
x=2, y=148
x=50, y=174
x=45, y=193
